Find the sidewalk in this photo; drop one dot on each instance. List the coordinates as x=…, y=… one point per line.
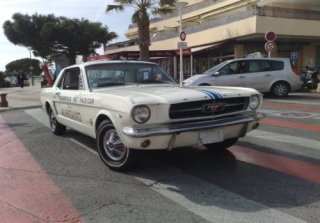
x=26, y=97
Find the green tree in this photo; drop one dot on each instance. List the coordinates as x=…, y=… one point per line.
x=141, y=17
x=24, y=65
x=47, y=35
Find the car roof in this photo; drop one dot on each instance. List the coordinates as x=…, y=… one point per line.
x=273, y=58
x=111, y=62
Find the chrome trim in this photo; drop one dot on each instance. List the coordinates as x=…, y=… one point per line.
x=177, y=128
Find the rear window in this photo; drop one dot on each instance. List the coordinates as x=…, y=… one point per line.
x=276, y=65
x=266, y=65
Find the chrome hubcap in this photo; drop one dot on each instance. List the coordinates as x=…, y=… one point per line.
x=113, y=146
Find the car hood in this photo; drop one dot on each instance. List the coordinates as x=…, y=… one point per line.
x=170, y=94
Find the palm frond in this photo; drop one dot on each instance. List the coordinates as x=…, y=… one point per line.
x=116, y=8
x=162, y=11
x=124, y=2
x=166, y=2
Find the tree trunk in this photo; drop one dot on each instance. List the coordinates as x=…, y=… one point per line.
x=144, y=36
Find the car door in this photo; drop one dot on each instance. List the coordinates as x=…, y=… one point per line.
x=232, y=74
x=66, y=99
x=260, y=75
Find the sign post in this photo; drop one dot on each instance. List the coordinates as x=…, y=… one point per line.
x=182, y=36
x=270, y=45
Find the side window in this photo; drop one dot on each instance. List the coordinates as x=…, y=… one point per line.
x=71, y=79
x=254, y=66
x=265, y=65
x=242, y=67
x=271, y=65
x=230, y=68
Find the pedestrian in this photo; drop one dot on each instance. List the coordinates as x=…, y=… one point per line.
x=21, y=77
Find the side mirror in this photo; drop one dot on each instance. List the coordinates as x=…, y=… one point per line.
x=216, y=73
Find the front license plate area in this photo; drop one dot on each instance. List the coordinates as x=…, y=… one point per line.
x=210, y=136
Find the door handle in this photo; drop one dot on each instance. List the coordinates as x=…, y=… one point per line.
x=242, y=76
x=268, y=75
x=58, y=93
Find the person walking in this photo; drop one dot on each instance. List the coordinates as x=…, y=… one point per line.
x=21, y=77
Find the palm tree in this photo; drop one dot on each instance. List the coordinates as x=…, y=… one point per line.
x=141, y=18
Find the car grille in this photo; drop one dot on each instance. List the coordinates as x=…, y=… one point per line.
x=208, y=107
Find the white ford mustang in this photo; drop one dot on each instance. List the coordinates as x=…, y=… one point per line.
x=132, y=105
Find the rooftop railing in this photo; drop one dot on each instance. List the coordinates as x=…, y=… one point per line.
x=250, y=11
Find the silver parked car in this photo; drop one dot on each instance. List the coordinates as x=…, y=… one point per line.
x=275, y=75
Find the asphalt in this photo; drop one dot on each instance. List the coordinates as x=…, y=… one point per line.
x=22, y=98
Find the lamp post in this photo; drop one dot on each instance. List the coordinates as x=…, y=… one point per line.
x=180, y=6
x=31, y=67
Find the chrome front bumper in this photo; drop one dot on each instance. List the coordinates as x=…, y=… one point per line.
x=176, y=128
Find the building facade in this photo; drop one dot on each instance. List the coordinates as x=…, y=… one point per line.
x=217, y=30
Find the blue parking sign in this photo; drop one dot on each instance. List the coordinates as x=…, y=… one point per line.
x=294, y=55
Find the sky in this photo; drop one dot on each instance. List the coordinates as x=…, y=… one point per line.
x=93, y=10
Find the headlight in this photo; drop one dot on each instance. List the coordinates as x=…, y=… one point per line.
x=141, y=114
x=254, y=102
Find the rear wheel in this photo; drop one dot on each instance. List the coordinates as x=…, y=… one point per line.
x=280, y=89
x=56, y=127
x=219, y=146
x=111, y=150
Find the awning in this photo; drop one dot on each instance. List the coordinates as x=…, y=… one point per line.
x=203, y=48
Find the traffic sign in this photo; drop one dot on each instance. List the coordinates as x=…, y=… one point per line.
x=270, y=36
x=270, y=46
x=182, y=45
x=182, y=36
x=294, y=55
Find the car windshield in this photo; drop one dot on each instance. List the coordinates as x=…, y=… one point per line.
x=215, y=68
x=115, y=74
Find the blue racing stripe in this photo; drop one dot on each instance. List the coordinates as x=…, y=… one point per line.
x=212, y=95
x=207, y=93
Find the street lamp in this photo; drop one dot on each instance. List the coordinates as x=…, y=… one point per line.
x=179, y=6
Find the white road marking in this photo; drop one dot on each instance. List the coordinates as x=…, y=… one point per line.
x=204, y=199
x=295, y=140
x=294, y=101
x=213, y=203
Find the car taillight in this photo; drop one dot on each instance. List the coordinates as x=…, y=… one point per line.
x=296, y=70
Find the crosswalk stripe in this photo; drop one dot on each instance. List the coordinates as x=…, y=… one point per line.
x=300, y=107
x=295, y=140
x=213, y=203
x=297, y=168
x=300, y=102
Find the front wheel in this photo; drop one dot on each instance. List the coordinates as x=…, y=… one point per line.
x=219, y=146
x=111, y=150
x=56, y=127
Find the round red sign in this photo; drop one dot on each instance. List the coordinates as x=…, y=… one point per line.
x=183, y=36
x=270, y=36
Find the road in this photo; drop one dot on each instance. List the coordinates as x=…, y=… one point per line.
x=271, y=175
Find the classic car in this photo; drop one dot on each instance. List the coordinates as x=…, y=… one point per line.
x=128, y=106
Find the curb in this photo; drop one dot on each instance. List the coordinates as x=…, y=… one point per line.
x=19, y=108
